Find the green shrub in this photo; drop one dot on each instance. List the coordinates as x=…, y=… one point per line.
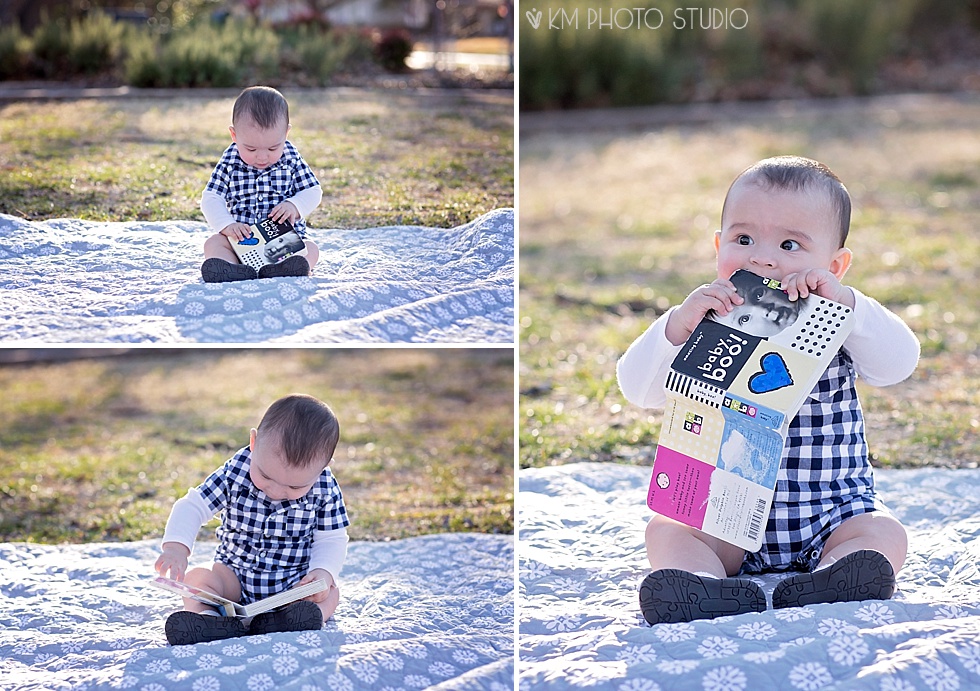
x=15, y=48
x=51, y=43
x=596, y=67
x=854, y=37
x=204, y=54
x=572, y=65
x=95, y=43
x=313, y=53
x=141, y=66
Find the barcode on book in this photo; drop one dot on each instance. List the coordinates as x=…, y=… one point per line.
x=694, y=389
x=756, y=519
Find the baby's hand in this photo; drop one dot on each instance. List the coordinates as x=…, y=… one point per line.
x=173, y=560
x=237, y=231
x=312, y=576
x=820, y=282
x=719, y=296
x=284, y=211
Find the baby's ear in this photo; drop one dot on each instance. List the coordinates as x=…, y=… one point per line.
x=231, y=131
x=841, y=263
x=251, y=440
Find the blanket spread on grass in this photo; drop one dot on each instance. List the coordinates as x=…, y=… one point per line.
x=427, y=612
x=581, y=559
x=67, y=280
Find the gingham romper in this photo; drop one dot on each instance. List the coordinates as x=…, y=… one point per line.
x=824, y=478
x=251, y=193
x=268, y=543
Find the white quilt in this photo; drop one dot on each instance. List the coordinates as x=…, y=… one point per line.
x=581, y=560
x=427, y=612
x=66, y=280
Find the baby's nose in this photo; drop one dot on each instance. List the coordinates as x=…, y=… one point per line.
x=764, y=259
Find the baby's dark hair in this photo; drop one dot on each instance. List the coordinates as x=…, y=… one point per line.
x=306, y=429
x=263, y=105
x=796, y=173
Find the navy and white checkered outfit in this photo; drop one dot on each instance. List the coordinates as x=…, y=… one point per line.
x=252, y=192
x=268, y=543
x=824, y=478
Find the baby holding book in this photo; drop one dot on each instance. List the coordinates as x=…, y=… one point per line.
x=260, y=175
x=283, y=524
x=785, y=218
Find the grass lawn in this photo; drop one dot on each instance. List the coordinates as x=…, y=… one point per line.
x=383, y=157
x=99, y=449
x=616, y=226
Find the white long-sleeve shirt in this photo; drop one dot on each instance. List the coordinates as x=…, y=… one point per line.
x=216, y=212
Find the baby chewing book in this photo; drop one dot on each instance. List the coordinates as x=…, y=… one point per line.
x=732, y=391
x=270, y=243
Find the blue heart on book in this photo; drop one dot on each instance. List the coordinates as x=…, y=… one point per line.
x=774, y=375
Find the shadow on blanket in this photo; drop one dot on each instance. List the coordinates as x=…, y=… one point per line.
x=435, y=611
x=581, y=559
x=67, y=280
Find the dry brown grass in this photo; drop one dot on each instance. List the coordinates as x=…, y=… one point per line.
x=616, y=225
x=383, y=157
x=99, y=449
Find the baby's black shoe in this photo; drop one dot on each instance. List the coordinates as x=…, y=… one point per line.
x=672, y=595
x=862, y=575
x=187, y=628
x=295, y=265
x=215, y=270
x=296, y=616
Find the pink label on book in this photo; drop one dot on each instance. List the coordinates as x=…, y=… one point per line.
x=679, y=487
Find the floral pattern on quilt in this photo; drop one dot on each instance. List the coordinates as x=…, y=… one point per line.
x=581, y=559
x=67, y=280
x=429, y=612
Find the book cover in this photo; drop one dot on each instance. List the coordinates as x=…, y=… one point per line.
x=270, y=243
x=233, y=609
x=732, y=391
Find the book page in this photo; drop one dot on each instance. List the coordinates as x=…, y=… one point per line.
x=284, y=598
x=227, y=607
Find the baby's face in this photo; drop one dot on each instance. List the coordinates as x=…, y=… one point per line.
x=258, y=147
x=275, y=478
x=775, y=233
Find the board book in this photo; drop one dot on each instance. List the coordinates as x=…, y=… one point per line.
x=233, y=609
x=270, y=243
x=732, y=391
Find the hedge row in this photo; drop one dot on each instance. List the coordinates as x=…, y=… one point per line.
x=626, y=52
x=200, y=54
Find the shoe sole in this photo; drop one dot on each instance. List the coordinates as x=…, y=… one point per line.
x=862, y=575
x=187, y=628
x=293, y=266
x=672, y=595
x=216, y=270
x=298, y=616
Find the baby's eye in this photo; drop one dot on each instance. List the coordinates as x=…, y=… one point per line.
x=744, y=319
x=743, y=240
x=790, y=245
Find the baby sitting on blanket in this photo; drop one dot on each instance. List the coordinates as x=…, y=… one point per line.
x=260, y=175
x=283, y=524
x=785, y=218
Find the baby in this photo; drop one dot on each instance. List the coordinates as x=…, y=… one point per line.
x=283, y=523
x=785, y=218
x=260, y=175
